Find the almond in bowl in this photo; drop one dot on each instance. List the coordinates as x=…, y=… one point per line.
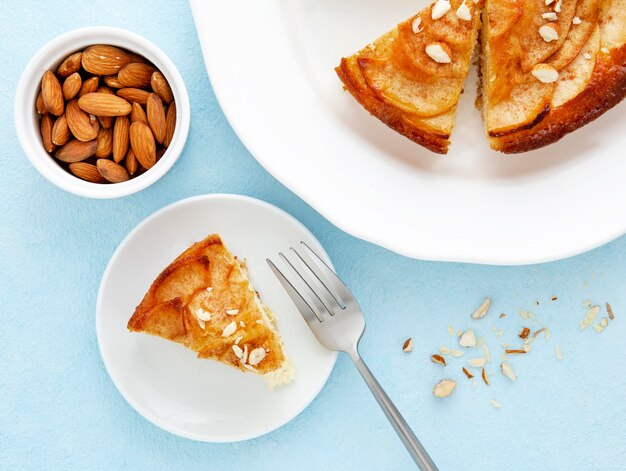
x=101, y=112
x=106, y=114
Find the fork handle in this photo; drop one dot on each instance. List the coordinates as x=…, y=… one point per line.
x=412, y=444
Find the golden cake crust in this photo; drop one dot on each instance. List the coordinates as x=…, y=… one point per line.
x=198, y=296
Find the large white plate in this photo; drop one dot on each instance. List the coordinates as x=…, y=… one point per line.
x=168, y=384
x=271, y=65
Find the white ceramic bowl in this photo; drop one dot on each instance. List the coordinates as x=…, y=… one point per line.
x=27, y=120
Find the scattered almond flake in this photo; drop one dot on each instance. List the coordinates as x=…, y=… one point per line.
x=238, y=339
x=524, y=333
x=456, y=353
x=499, y=332
x=477, y=362
x=416, y=24
x=440, y=8
x=516, y=351
x=531, y=315
x=523, y=314
x=604, y=322
x=502, y=315
x=557, y=6
x=587, y=304
x=438, y=53
x=495, y=404
x=505, y=345
x=576, y=20
x=507, y=370
x=201, y=324
x=480, y=342
x=242, y=324
x=482, y=309
x=256, y=356
x=459, y=333
x=548, y=33
x=438, y=359
x=468, y=339
x=444, y=350
x=229, y=329
x=528, y=348
x=598, y=328
x=407, y=346
x=559, y=353
x=545, y=73
x=485, y=377
x=609, y=311
x=463, y=12
x=550, y=16
x=238, y=351
x=590, y=317
x=467, y=373
x=537, y=332
x=444, y=388
x=487, y=353
x=554, y=298
x=203, y=315
x=547, y=334
x=604, y=50
x=232, y=312
x=451, y=331
x=245, y=354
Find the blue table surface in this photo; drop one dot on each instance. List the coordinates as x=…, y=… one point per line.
x=59, y=410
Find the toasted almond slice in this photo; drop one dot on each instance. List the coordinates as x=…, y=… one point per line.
x=590, y=317
x=477, y=362
x=507, y=370
x=517, y=351
x=554, y=298
x=495, y=404
x=502, y=315
x=451, y=330
x=407, y=346
x=456, y=353
x=609, y=311
x=444, y=388
x=537, y=332
x=468, y=339
x=467, y=373
x=438, y=359
x=524, y=333
x=485, y=377
x=482, y=309
x=444, y=350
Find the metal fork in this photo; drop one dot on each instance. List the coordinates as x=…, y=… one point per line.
x=334, y=316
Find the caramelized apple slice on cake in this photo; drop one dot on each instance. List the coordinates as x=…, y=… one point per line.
x=412, y=77
x=204, y=301
x=549, y=67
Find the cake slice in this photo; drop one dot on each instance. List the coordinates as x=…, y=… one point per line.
x=411, y=78
x=549, y=67
x=205, y=301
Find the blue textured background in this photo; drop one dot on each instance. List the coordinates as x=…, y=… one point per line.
x=59, y=410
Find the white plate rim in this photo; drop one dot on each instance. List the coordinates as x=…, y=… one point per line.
x=99, y=300
x=473, y=253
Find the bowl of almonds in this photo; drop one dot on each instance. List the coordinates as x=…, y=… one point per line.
x=102, y=112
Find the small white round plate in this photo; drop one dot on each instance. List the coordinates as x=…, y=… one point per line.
x=166, y=383
x=275, y=80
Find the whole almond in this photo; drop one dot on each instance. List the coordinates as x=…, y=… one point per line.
x=112, y=81
x=138, y=114
x=60, y=131
x=40, y=105
x=46, y=132
x=106, y=121
x=84, y=127
x=121, y=132
x=103, y=104
x=170, y=124
x=131, y=161
x=88, y=172
x=136, y=75
x=75, y=151
x=156, y=117
x=105, y=143
x=71, y=86
x=142, y=142
x=134, y=94
x=70, y=65
x=161, y=87
x=103, y=59
x=89, y=86
x=113, y=172
x=52, y=93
